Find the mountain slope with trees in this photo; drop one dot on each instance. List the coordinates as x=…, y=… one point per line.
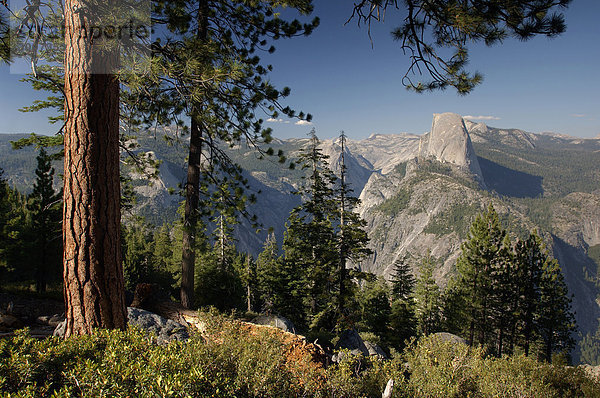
x=412, y=202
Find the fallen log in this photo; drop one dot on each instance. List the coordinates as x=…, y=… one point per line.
x=151, y=298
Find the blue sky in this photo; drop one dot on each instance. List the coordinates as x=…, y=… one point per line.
x=542, y=85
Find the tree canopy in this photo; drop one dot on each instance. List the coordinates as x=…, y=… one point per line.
x=436, y=34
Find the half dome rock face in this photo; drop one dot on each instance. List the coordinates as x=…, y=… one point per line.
x=449, y=142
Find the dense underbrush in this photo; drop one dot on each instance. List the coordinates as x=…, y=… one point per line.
x=236, y=363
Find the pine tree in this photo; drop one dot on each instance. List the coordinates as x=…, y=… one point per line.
x=14, y=240
x=164, y=267
x=4, y=37
x=352, y=237
x=479, y=255
x=403, y=321
x=162, y=253
x=503, y=300
x=44, y=206
x=436, y=34
x=250, y=280
x=4, y=214
x=206, y=68
x=219, y=282
x=266, y=265
x=92, y=191
x=590, y=348
x=402, y=280
x=137, y=253
x=374, y=305
x=427, y=298
x=529, y=259
x=311, y=242
x=555, y=321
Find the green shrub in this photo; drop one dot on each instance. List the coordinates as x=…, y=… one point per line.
x=357, y=376
x=444, y=369
x=520, y=376
x=120, y=364
x=239, y=361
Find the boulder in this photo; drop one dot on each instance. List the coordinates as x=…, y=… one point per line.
x=276, y=321
x=445, y=336
x=165, y=330
x=375, y=350
x=10, y=321
x=351, y=340
x=59, y=331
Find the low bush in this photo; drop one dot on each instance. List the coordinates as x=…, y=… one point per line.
x=238, y=361
x=129, y=364
x=444, y=369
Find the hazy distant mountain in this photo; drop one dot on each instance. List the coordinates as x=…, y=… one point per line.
x=420, y=192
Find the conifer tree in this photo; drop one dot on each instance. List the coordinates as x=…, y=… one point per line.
x=479, y=255
x=249, y=279
x=512, y=295
x=137, y=253
x=402, y=280
x=427, y=297
x=206, y=68
x=219, y=281
x=4, y=213
x=266, y=265
x=530, y=260
x=311, y=243
x=14, y=253
x=44, y=206
x=503, y=300
x=436, y=34
x=555, y=319
x=403, y=322
x=280, y=284
x=4, y=35
x=352, y=237
x=163, y=249
x=590, y=348
x=374, y=305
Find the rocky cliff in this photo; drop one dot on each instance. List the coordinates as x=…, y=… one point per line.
x=450, y=142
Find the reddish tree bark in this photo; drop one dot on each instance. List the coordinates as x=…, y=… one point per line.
x=93, y=274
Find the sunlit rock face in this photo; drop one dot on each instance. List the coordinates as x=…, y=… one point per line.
x=449, y=142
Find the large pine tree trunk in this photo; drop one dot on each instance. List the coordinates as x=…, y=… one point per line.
x=93, y=274
x=192, y=187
